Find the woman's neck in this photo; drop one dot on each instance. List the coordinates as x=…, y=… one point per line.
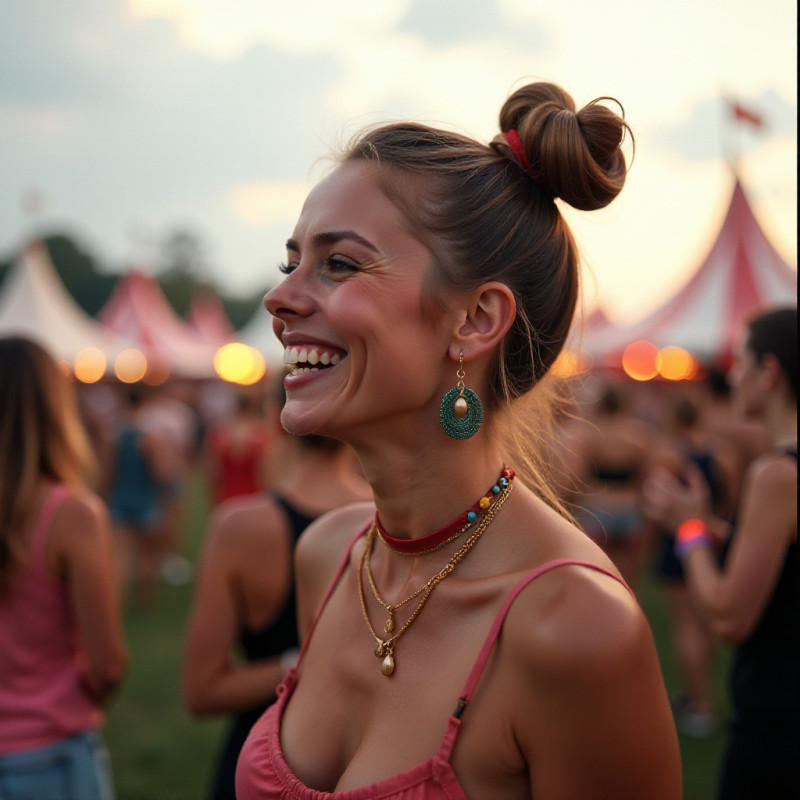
x=418, y=491
x=781, y=420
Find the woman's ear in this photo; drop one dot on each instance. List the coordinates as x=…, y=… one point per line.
x=487, y=314
x=772, y=370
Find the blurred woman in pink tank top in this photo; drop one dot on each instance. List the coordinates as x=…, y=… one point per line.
x=62, y=651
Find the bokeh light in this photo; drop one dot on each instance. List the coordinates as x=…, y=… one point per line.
x=90, y=365
x=130, y=365
x=238, y=363
x=569, y=364
x=641, y=360
x=675, y=363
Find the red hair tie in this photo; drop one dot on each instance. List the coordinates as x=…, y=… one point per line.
x=517, y=148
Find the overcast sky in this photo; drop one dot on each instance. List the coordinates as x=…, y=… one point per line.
x=134, y=118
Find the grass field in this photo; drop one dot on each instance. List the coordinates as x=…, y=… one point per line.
x=160, y=753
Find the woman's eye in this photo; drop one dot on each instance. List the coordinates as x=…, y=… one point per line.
x=287, y=269
x=340, y=264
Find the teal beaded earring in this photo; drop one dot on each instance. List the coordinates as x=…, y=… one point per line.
x=461, y=412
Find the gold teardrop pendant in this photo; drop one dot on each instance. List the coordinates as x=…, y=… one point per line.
x=387, y=666
x=389, y=626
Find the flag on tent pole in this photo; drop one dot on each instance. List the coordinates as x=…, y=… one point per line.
x=745, y=114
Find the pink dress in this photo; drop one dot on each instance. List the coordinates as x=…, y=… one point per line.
x=263, y=773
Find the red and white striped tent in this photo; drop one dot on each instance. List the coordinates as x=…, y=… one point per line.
x=208, y=319
x=741, y=274
x=139, y=311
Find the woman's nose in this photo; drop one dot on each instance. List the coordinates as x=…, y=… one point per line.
x=289, y=298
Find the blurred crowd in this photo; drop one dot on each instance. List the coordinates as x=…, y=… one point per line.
x=618, y=433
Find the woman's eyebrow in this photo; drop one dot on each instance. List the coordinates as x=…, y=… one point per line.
x=332, y=237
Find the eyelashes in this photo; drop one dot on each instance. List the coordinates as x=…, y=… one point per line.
x=340, y=264
x=332, y=264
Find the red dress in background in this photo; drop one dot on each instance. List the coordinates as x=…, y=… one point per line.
x=238, y=461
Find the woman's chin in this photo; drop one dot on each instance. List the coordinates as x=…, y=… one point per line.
x=299, y=424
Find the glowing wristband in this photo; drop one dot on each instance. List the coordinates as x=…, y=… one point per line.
x=690, y=535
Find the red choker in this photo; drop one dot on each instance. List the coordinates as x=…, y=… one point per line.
x=447, y=533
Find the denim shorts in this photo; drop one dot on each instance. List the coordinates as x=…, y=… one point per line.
x=77, y=768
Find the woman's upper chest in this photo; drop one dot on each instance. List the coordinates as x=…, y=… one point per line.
x=348, y=725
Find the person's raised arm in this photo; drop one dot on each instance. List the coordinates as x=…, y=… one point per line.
x=733, y=598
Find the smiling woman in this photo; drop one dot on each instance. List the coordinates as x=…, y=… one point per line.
x=471, y=642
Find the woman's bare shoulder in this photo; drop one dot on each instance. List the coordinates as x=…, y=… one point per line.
x=325, y=540
x=80, y=530
x=771, y=484
x=245, y=522
x=80, y=511
x=582, y=672
x=773, y=468
x=573, y=618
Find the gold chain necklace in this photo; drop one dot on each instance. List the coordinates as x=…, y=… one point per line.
x=384, y=648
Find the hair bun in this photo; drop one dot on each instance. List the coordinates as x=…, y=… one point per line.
x=576, y=156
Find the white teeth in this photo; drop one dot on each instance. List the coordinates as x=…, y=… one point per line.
x=313, y=356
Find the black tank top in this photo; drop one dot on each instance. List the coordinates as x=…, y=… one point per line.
x=281, y=633
x=765, y=679
x=271, y=640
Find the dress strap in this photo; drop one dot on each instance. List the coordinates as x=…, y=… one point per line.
x=336, y=578
x=494, y=632
x=44, y=520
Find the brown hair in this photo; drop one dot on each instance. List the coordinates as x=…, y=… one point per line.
x=485, y=216
x=775, y=332
x=41, y=435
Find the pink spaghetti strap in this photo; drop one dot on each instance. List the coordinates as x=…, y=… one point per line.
x=44, y=520
x=336, y=578
x=494, y=631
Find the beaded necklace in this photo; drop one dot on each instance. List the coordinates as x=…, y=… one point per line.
x=385, y=648
x=447, y=533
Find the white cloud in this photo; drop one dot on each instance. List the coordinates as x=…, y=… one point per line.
x=227, y=28
x=194, y=112
x=265, y=203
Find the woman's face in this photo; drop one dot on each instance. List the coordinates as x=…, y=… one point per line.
x=364, y=344
x=746, y=381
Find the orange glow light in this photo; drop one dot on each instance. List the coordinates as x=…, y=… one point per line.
x=568, y=364
x=238, y=363
x=676, y=364
x=130, y=365
x=641, y=361
x=90, y=365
